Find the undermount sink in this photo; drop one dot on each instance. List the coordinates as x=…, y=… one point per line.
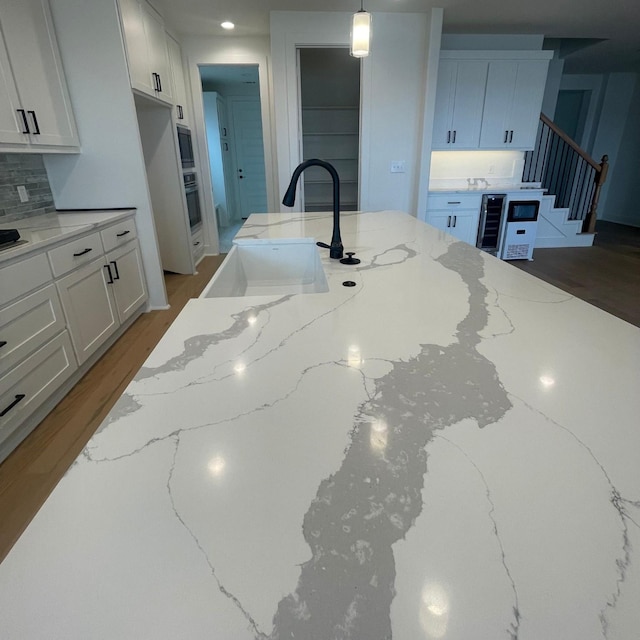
x=265, y=267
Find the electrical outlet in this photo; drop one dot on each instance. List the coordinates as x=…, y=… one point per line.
x=398, y=166
x=22, y=194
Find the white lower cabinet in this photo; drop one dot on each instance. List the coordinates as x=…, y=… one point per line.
x=57, y=308
x=28, y=385
x=128, y=286
x=88, y=305
x=460, y=224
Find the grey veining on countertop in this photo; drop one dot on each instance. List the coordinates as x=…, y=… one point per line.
x=418, y=456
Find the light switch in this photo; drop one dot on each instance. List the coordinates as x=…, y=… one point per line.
x=398, y=166
x=22, y=194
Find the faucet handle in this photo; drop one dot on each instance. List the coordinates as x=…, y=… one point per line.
x=350, y=259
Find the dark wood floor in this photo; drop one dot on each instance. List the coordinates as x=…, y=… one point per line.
x=606, y=275
x=31, y=472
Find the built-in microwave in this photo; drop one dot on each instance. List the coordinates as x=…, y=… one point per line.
x=186, y=147
x=523, y=210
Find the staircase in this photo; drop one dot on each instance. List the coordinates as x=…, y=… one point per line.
x=557, y=229
x=572, y=180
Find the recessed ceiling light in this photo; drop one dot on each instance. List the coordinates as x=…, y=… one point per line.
x=227, y=25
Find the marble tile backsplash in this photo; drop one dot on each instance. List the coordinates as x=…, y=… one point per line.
x=28, y=170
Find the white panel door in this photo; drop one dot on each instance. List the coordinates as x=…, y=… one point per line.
x=137, y=53
x=247, y=130
x=157, y=48
x=128, y=279
x=31, y=44
x=87, y=302
x=468, y=104
x=179, y=87
x=445, y=94
x=496, y=126
x=12, y=128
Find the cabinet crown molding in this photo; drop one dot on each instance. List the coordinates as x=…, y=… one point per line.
x=495, y=55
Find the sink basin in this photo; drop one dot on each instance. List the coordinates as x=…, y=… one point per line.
x=265, y=267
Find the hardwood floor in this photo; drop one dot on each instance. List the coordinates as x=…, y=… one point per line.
x=606, y=275
x=31, y=472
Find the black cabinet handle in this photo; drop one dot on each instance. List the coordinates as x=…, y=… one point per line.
x=115, y=268
x=76, y=255
x=18, y=397
x=454, y=136
x=225, y=131
x=124, y=233
x=108, y=268
x=226, y=147
x=448, y=221
x=2, y=343
x=448, y=137
x=195, y=244
x=155, y=81
x=25, y=122
x=511, y=136
x=159, y=83
x=35, y=122
x=506, y=137
x=456, y=202
x=455, y=218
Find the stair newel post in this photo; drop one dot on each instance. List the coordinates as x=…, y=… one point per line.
x=599, y=179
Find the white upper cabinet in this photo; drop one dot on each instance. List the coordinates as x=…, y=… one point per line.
x=179, y=85
x=35, y=108
x=489, y=99
x=512, y=104
x=147, y=53
x=459, y=103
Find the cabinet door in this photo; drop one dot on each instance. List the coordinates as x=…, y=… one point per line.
x=445, y=94
x=128, y=275
x=88, y=306
x=37, y=70
x=157, y=51
x=530, y=82
x=12, y=128
x=179, y=87
x=512, y=106
x=137, y=54
x=460, y=224
x=466, y=120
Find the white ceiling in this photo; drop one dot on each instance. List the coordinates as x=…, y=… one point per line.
x=617, y=22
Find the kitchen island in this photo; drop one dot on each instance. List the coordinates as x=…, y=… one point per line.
x=448, y=449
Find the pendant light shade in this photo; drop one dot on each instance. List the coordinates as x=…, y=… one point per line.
x=360, y=34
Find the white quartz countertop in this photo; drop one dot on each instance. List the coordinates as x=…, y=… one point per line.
x=42, y=231
x=489, y=188
x=449, y=449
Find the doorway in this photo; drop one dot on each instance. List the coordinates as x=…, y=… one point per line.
x=571, y=112
x=233, y=123
x=330, y=120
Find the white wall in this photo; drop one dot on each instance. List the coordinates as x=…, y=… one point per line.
x=392, y=98
x=228, y=50
x=618, y=135
x=110, y=171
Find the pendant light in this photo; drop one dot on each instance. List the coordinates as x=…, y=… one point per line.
x=360, y=33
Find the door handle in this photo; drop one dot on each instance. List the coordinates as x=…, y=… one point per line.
x=108, y=268
x=25, y=122
x=35, y=122
x=115, y=268
x=17, y=398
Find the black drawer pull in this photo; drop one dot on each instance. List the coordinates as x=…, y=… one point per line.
x=124, y=233
x=458, y=202
x=77, y=255
x=108, y=268
x=2, y=343
x=115, y=268
x=159, y=83
x=35, y=122
x=25, y=122
x=195, y=244
x=448, y=221
x=18, y=397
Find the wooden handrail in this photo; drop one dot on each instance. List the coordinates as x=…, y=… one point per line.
x=572, y=143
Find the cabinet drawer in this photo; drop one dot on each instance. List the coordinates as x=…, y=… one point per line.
x=28, y=324
x=451, y=201
x=75, y=253
x=118, y=234
x=27, y=386
x=24, y=276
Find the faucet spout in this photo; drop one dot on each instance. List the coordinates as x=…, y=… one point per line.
x=336, y=249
